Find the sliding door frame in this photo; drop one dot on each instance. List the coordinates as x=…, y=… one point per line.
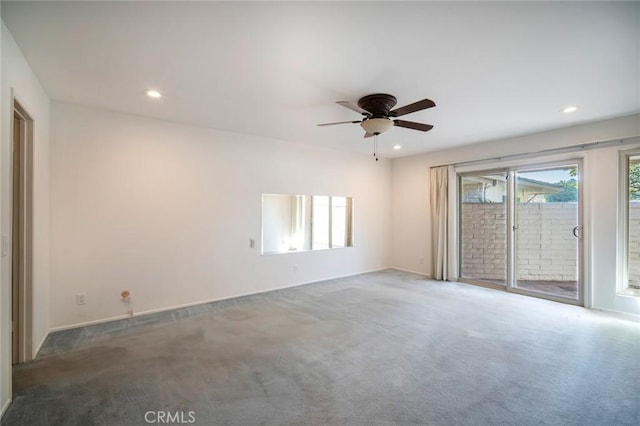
x=580, y=224
x=459, y=177
x=511, y=231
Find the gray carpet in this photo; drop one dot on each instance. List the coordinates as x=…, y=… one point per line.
x=375, y=349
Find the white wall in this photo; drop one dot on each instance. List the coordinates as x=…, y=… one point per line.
x=167, y=210
x=17, y=75
x=410, y=227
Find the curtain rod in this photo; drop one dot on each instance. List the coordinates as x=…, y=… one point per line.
x=571, y=148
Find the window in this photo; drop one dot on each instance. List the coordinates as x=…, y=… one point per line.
x=631, y=220
x=331, y=222
x=338, y=221
x=305, y=222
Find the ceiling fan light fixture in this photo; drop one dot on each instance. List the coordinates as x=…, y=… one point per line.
x=376, y=126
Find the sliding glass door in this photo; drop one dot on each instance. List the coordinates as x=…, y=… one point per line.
x=483, y=230
x=547, y=231
x=520, y=228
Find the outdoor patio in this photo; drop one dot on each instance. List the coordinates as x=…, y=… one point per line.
x=564, y=289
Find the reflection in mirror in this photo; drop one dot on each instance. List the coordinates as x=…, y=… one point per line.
x=293, y=223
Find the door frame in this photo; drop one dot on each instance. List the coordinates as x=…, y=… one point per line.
x=22, y=219
x=510, y=170
x=511, y=232
x=459, y=176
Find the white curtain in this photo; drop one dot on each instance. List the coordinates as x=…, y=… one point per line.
x=440, y=258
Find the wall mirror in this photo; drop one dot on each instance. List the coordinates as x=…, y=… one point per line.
x=293, y=223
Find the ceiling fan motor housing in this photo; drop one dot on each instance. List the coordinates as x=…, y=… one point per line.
x=378, y=104
x=379, y=116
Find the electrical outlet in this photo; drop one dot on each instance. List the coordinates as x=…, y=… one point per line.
x=252, y=242
x=81, y=299
x=295, y=268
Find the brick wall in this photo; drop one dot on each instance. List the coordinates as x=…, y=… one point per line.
x=546, y=246
x=484, y=241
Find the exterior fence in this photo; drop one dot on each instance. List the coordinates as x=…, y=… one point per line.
x=546, y=247
x=634, y=244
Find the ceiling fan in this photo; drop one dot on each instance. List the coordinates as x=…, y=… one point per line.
x=379, y=117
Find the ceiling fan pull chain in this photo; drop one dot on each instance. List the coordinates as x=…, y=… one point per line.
x=375, y=146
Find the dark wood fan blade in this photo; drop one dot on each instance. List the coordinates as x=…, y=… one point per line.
x=416, y=106
x=354, y=107
x=413, y=125
x=339, y=122
x=368, y=135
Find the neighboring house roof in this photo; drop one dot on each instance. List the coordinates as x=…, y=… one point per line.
x=526, y=184
x=540, y=186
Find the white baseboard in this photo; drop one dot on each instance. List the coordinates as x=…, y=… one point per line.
x=329, y=279
x=37, y=351
x=203, y=302
x=625, y=316
x=4, y=407
x=411, y=272
x=86, y=323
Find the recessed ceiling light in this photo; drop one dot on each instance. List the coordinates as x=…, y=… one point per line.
x=571, y=108
x=397, y=147
x=153, y=94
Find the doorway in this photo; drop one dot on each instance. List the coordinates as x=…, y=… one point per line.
x=483, y=216
x=521, y=230
x=547, y=232
x=21, y=235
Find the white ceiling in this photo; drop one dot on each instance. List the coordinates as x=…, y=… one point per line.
x=276, y=69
